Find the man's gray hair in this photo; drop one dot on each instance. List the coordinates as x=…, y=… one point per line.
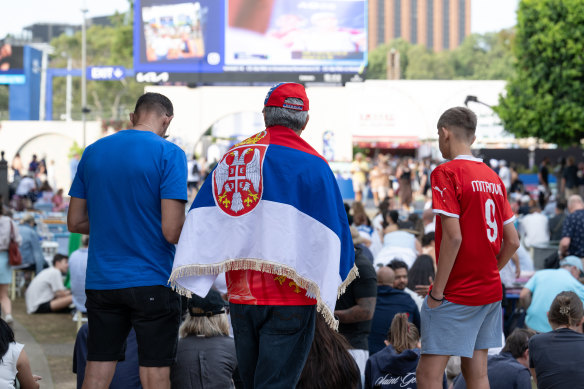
x=574, y=202
x=277, y=116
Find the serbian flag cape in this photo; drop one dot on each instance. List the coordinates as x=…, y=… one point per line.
x=272, y=204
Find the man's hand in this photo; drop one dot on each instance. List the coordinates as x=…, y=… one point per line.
x=423, y=290
x=433, y=303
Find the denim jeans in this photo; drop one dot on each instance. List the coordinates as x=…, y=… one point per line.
x=272, y=343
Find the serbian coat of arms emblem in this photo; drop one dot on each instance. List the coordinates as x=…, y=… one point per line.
x=237, y=179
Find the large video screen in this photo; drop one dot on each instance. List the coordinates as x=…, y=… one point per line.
x=11, y=63
x=250, y=40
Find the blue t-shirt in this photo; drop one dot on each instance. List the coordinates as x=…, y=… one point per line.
x=123, y=177
x=545, y=285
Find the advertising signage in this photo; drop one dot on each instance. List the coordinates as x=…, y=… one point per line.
x=11, y=64
x=247, y=41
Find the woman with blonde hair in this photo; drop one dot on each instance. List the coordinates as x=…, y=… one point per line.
x=395, y=365
x=556, y=358
x=206, y=354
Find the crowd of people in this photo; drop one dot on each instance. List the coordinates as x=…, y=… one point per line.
x=287, y=290
x=34, y=187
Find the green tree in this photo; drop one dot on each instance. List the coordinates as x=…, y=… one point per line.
x=4, y=93
x=106, y=45
x=479, y=57
x=423, y=64
x=377, y=61
x=543, y=99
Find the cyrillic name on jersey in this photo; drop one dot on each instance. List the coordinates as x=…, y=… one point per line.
x=488, y=187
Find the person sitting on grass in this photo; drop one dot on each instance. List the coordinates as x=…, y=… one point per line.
x=46, y=292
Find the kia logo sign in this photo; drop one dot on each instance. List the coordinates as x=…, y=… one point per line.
x=152, y=77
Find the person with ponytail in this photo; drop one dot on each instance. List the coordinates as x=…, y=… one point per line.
x=395, y=365
x=556, y=358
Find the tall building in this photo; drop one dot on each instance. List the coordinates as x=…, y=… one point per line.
x=437, y=24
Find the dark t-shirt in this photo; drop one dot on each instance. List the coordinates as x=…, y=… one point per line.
x=204, y=363
x=364, y=286
x=571, y=176
x=558, y=359
x=544, y=174
x=556, y=224
x=504, y=373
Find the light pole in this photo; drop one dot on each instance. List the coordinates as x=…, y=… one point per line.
x=474, y=99
x=84, y=109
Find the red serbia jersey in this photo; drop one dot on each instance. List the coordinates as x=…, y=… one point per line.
x=467, y=189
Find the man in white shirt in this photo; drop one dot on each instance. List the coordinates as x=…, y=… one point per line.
x=533, y=227
x=77, y=270
x=46, y=293
x=505, y=174
x=428, y=219
x=25, y=186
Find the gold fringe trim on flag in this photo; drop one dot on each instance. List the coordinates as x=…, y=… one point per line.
x=265, y=267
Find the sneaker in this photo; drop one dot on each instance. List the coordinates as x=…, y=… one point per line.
x=9, y=319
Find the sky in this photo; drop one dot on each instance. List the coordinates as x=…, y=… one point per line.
x=486, y=15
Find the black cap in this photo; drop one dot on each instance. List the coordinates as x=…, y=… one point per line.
x=211, y=305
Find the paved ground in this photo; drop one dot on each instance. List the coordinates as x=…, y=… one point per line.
x=38, y=361
x=49, y=340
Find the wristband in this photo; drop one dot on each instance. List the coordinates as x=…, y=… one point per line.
x=434, y=298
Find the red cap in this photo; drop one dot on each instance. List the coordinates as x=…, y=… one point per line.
x=278, y=94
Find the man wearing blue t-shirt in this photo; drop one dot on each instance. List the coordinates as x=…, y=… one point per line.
x=541, y=289
x=129, y=195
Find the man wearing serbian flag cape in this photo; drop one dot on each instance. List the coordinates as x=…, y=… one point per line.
x=271, y=216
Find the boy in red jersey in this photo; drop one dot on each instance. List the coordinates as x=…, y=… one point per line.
x=475, y=238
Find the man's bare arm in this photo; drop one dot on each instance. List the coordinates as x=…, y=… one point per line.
x=173, y=218
x=515, y=260
x=362, y=311
x=449, y=246
x=564, y=246
x=77, y=217
x=62, y=293
x=509, y=245
x=525, y=298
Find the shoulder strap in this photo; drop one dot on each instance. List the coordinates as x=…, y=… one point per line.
x=11, y=229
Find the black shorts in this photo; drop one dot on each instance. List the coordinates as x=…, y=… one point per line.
x=44, y=308
x=153, y=311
